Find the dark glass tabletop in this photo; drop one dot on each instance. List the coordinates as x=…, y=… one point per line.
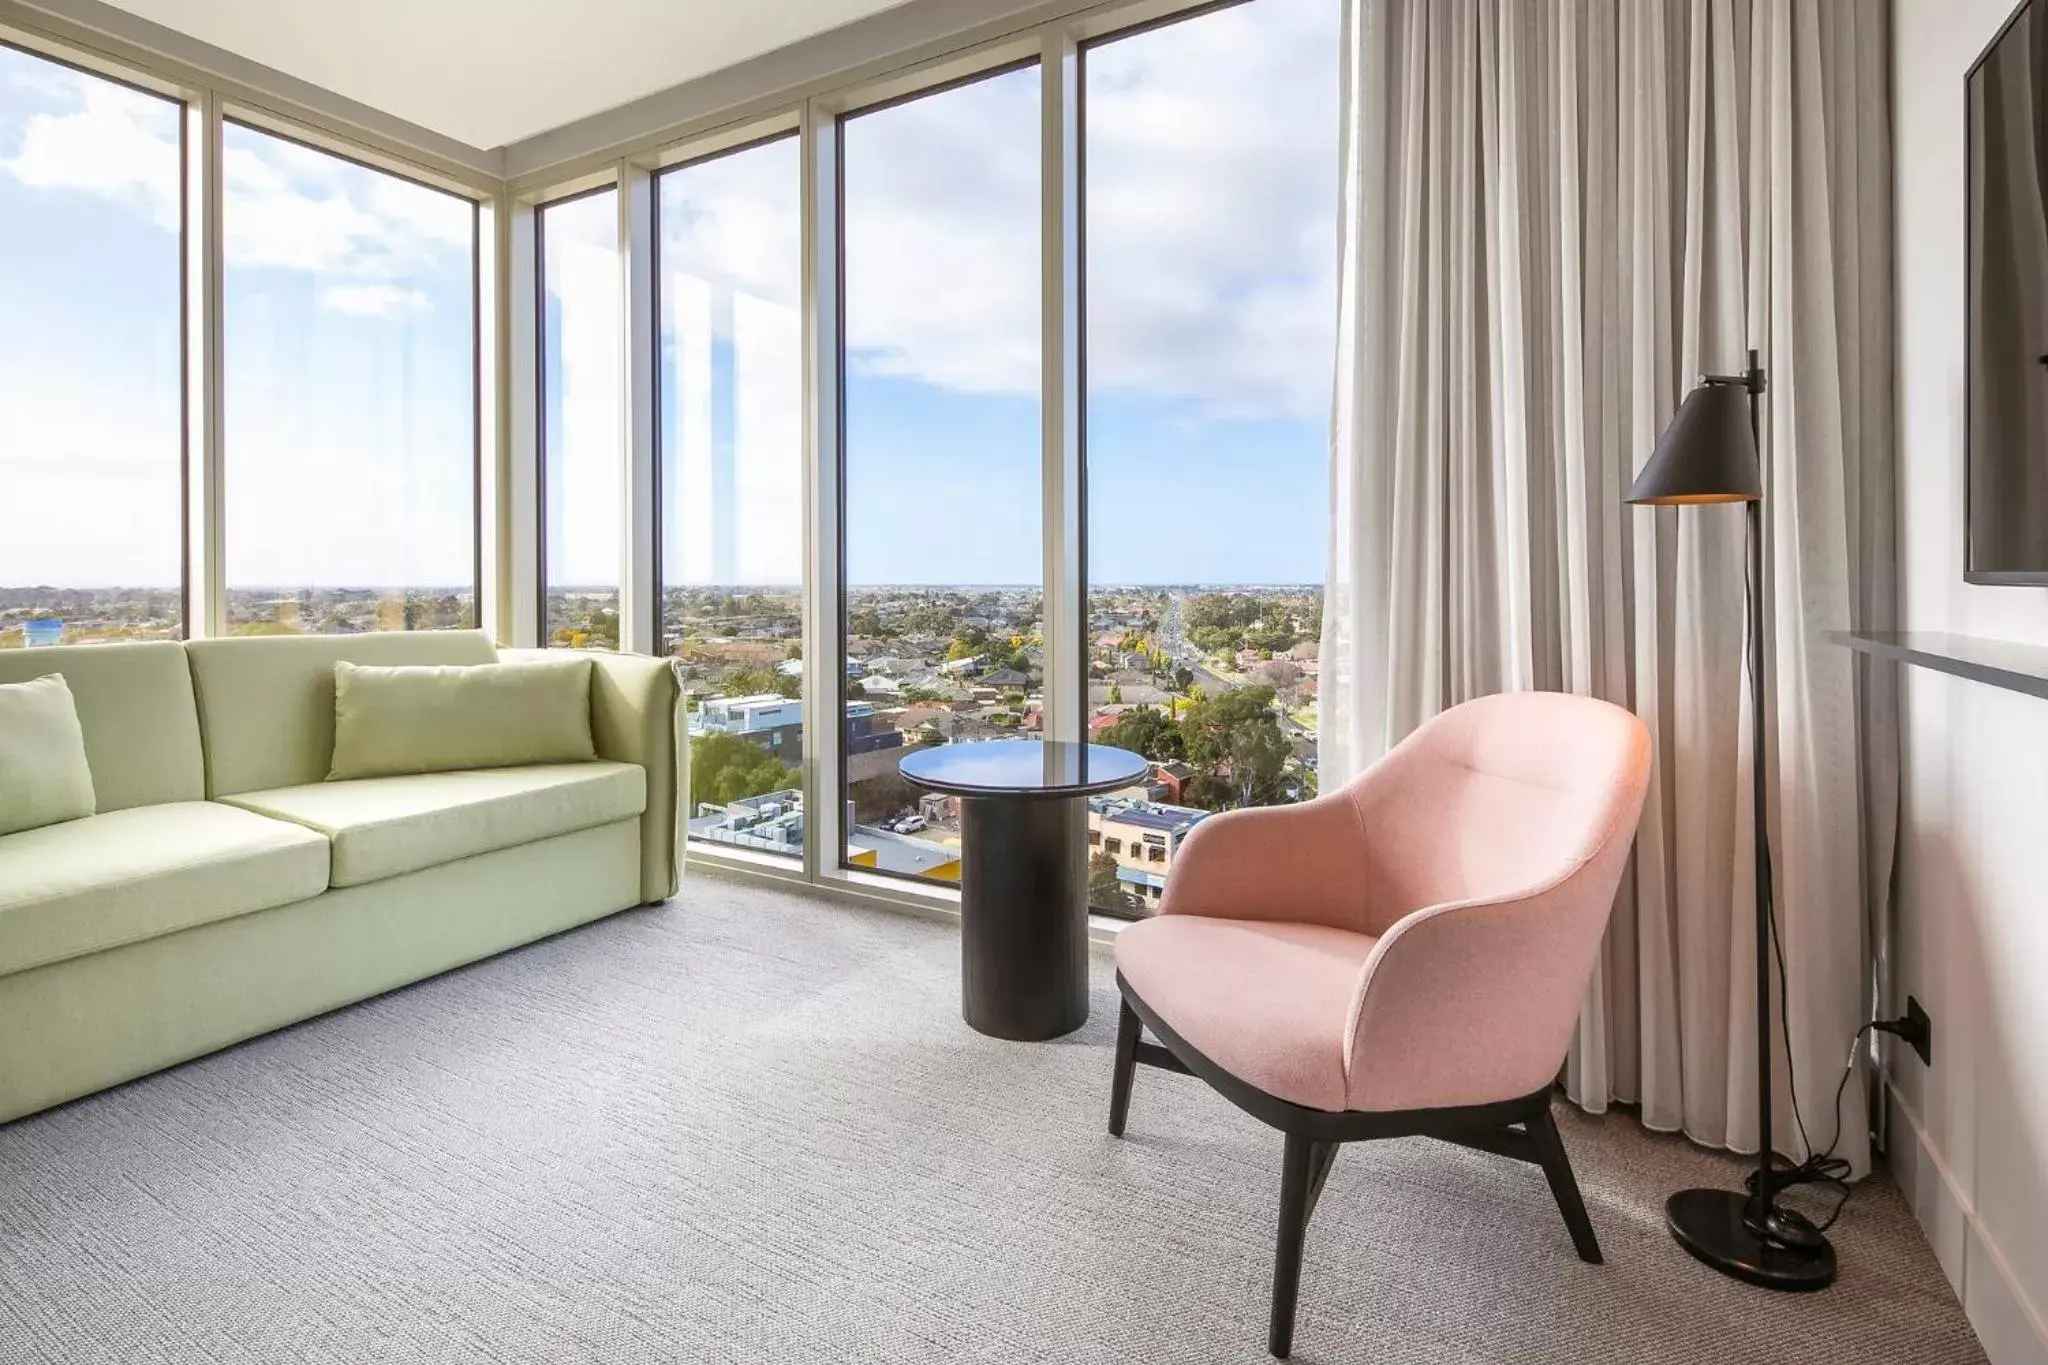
x=1023, y=767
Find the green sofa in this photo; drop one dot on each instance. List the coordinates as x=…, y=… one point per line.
x=224, y=888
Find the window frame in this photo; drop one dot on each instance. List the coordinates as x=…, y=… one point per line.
x=510, y=517
x=539, y=285
x=29, y=44
x=236, y=116
x=208, y=100
x=955, y=74
x=660, y=490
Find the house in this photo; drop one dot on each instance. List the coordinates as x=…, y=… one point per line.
x=1172, y=779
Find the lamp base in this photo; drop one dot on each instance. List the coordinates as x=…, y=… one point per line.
x=1714, y=1225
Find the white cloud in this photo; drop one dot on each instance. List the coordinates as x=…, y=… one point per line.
x=733, y=222
x=285, y=206
x=1212, y=188
x=942, y=243
x=289, y=206
x=1211, y=202
x=1212, y=197
x=373, y=300
x=118, y=144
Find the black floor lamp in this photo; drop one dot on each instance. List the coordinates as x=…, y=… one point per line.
x=1709, y=454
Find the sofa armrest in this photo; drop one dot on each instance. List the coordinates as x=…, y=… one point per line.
x=636, y=717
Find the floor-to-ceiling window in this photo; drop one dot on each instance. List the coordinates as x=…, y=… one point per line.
x=1210, y=155
x=349, y=364
x=582, y=437
x=728, y=280
x=942, y=483
x=91, y=402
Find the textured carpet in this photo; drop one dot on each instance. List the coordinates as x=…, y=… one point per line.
x=750, y=1127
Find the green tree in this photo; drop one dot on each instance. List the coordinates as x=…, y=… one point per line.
x=1105, y=892
x=750, y=682
x=726, y=768
x=1149, y=733
x=1236, y=745
x=1225, y=610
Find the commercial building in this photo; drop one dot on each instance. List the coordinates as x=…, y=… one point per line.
x=1142, y=836
x=776, y=723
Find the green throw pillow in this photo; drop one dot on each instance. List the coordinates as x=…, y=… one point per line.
x=44, y=778
x=415, y=719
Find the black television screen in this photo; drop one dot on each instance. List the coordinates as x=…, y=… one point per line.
x=2008, y=300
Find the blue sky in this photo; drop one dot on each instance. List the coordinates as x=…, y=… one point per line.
x=349, y=422
x=1211, y=230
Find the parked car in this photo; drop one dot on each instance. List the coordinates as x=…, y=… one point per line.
x=908, y=824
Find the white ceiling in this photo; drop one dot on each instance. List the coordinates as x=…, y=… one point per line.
x=490, y=72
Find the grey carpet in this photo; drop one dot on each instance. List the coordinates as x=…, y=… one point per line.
x=750, y=1127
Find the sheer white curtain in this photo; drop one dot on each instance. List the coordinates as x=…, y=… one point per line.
x=1557, y=214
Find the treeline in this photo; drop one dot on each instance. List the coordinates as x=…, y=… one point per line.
x=1233, y=742
x=1225, y=622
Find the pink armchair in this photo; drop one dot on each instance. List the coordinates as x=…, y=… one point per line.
x=1403, y=956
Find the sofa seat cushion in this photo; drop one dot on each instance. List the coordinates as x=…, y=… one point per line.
x=384, y=826
x=127, y=875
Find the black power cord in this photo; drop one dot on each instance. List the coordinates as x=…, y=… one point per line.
x=1820, y=1167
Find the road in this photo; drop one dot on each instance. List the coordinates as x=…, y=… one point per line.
x=1173, y=639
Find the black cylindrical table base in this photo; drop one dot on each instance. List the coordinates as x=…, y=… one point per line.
x=1024, y=916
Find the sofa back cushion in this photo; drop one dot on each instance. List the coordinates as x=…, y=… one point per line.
x=266, y=703
x=135, y=708
x=441, y=718
x=44, y=778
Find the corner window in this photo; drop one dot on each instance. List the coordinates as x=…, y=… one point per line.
x=941, y=453
x=1210, y=222
x=92, y=522
x=728, y=280
x=582, y=421
x=350, y=394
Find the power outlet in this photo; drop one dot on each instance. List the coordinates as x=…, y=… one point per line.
x=1918, y=1031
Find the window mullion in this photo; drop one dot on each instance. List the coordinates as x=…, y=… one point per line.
x=640, y=591
x=521, y=592
x=824, y=633
x=205, y=340
x=1063, y=618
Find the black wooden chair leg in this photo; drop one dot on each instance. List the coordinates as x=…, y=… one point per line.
x=1302, y=1168
x=1557, y=1168
x=1127, y=1030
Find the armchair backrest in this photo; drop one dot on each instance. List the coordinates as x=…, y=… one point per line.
x=1498, y=796
x=1499, y=833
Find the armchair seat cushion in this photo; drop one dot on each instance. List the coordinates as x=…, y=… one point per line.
x=124, y=876
x=1268, y=1002
x=384, y=826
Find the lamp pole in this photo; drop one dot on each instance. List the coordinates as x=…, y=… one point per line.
x=1766, y=1198
x=1744, y=1234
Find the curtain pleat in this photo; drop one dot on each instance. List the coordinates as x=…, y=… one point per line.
x=1558, y=213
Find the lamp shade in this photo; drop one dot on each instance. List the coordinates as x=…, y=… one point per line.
x=1707, y=454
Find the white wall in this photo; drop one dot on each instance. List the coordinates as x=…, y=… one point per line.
x=1969, y=1137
